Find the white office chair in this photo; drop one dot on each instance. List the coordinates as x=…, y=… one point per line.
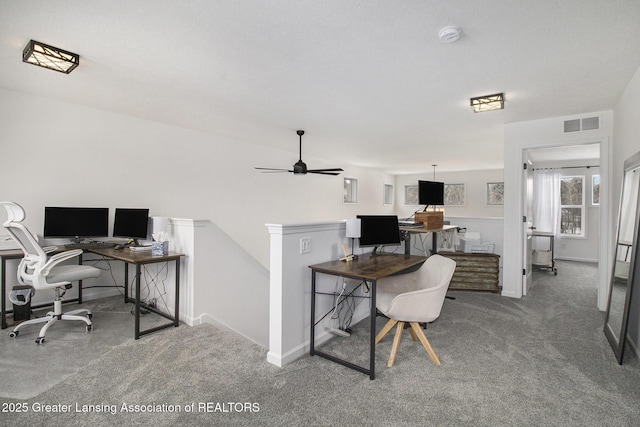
x=415, y=298
x=42, y=272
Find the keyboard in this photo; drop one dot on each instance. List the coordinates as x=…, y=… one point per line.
x=410, y=224
x=90, y=245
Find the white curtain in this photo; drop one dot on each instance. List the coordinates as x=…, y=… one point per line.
x=546, y=204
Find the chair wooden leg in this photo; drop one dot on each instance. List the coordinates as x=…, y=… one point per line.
x=385, y=330
x=425, y=343
x=396, y=344
x=414, y=337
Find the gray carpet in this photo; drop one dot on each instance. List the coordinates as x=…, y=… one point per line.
x=541, y=360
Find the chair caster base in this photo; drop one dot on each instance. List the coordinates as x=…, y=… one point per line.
x=14, y=334
x=40, y=340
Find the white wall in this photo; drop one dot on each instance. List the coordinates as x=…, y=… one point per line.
x=627, y=143
x=475, y=187
x=55, y=154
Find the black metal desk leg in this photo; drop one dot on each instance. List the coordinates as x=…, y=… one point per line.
x=80, y=282
x=372, y=337
x=312, y=334
x=126, y=282
x=177, y=296
x=137, y=296
x=4, y=293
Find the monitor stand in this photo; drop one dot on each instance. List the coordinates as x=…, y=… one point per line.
x=375, y=252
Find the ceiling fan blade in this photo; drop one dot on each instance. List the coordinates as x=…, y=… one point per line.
x=334, y=171
x=272, y=170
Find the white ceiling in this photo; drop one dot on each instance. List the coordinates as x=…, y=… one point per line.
x=368, y=81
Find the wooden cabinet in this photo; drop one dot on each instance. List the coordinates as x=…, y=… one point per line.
x=474, y=272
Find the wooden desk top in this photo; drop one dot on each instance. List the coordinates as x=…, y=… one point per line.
x=135, y=257
x=427, y=230
x=11, y=253
x=370, y=268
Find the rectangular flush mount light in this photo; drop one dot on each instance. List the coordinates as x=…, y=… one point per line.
x=488, y=103
x=50, y=57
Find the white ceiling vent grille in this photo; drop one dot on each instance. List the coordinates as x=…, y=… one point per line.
x=576, y=125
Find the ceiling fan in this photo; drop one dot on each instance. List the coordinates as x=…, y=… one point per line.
x=300, y=167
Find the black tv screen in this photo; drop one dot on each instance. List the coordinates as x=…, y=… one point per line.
x=76, y=222
x=430, y=193
x=131, y=223
x=378, y=230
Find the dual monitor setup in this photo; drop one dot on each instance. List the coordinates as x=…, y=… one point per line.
x=380, y=230
x=79, y=223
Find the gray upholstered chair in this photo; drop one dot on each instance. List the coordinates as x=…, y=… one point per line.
x=414, y=298
x=39, y=270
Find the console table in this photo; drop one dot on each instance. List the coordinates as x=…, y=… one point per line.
x=475, y=272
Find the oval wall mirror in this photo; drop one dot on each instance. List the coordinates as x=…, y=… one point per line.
x=623, y=277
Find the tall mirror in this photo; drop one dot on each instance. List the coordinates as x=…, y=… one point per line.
x=622, y=277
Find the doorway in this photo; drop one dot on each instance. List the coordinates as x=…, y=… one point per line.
x=565, y=211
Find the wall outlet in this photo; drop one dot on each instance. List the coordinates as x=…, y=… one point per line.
x=305, y=245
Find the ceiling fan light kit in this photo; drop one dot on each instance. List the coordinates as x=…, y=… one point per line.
x=300, y=167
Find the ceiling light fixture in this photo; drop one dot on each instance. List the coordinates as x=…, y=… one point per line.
x=50, y=57
x=488, y=103
x=449, y=34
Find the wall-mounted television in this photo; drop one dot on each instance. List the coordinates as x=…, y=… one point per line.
x=430, y=193
x=379, y=230
x=76, y=223
x=131, y=223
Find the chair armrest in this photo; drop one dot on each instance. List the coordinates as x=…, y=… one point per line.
x=58, y=258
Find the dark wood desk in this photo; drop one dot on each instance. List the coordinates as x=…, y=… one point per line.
x=408, y=231
x=369, y=269
x=138, y=259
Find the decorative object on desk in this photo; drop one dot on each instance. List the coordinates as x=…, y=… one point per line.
x=300, y=168
x=430, y=219
x=39, y=270
x=414, y=298
x=160, y=247
x=50, y=57
x=624, y=277
x=353, y=231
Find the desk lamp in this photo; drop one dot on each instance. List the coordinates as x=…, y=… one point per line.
x=353, y=232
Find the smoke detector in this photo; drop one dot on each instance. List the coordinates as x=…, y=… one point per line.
x=449, y=34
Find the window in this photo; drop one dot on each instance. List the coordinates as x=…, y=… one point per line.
x=572, y=220
x=388, y=195
x=350, y=190
x=595, y=190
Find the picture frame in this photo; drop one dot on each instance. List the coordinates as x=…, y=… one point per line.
x=495, y=193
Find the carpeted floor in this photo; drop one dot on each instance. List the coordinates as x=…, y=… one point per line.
x=541, y=360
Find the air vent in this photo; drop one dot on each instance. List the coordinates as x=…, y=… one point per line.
x=576, y=125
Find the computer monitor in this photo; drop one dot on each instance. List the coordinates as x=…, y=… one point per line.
x=76, y=223
x=131, y=223
x=430, y=193
x=379, y=230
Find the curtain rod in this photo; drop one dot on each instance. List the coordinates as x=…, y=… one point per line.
x=568, y=167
